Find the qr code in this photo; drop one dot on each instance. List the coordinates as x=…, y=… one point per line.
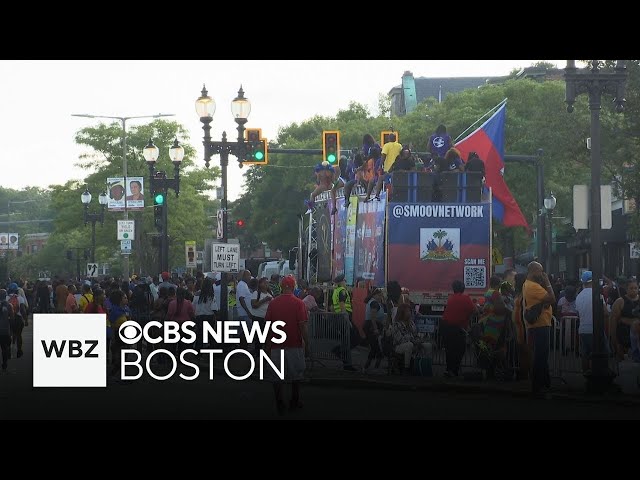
x=475, y=277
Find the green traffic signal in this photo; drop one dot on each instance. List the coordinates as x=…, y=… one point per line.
x=331, y=158
x=259, y=155
x=159, y=199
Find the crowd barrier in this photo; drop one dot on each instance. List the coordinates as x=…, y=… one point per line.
x=564, y=348
x=330, y=336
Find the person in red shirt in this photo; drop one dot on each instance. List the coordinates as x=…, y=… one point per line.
x=455, y=321
x=289, y=309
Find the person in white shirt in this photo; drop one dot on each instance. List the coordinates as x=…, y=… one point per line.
x=584, y=307
x=259, y=303
x=243, y=296
x=203, y=301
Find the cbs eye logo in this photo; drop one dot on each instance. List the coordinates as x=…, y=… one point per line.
x=130, y=332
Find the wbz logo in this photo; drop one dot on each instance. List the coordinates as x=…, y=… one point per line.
x=74, y=350
x=70, y=350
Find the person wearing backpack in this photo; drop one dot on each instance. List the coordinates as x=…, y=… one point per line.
x=537, y=291
x=6, y=316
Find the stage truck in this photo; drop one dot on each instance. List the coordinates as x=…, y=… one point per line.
x=426, y=231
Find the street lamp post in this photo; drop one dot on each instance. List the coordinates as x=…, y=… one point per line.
x=549, y=206
x=9, y=203
x=240, y=109
x=123, y=120
x=595, y=82
x=160, y=183
x=93, y=217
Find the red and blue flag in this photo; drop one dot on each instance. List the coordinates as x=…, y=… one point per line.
x=488, y=142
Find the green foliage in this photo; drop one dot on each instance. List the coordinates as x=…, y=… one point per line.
x=188, y=214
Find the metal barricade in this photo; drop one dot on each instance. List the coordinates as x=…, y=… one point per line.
x=429, y=326
x=564, y=349
x=329, y=336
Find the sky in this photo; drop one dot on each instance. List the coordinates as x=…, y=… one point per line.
x=37, y=98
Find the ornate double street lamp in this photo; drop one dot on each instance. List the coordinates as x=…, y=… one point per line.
x=549, y=206
x=240, y=109
x=160, y=184
x=595, y=82
x=93, y=217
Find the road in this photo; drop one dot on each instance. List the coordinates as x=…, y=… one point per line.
x=223, y=398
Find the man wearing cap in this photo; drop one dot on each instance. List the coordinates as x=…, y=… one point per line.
x=165, y=281
x=292, y=311
x=584, y=306
x=537, y=289
x=6, y=318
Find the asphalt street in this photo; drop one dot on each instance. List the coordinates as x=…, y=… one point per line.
x=223, y=398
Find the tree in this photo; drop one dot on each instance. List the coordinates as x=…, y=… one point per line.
x=188, y=214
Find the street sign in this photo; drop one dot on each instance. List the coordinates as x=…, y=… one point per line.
x=190, y=254
x=126, y=229
x=92, y=270
x=225, y=257
x=582, y=207
x=220, y=222
x=125, y=247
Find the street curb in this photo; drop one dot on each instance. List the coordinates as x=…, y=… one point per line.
x=465, y=388
x=443, y=386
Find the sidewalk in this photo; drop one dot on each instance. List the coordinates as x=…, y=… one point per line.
x=330, y=373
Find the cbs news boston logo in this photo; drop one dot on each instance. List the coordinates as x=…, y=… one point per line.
x=69, y=350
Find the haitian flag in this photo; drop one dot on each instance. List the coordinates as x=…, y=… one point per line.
x=432, y=244
x=488, y=142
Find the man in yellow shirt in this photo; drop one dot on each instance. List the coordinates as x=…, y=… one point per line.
x=537, y=289
x=86, y=298
x=390, y=152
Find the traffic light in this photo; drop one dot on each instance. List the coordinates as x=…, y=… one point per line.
x=330, y=146
x=240, y=223
x=159, y=202
x=257, y=148
x=384, y=136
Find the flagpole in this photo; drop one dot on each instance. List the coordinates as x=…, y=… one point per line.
x=480, y=119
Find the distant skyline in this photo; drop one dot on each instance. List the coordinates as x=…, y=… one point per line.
x=37, y=99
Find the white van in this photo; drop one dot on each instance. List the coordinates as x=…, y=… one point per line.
x=266, y=269
x=284, y=269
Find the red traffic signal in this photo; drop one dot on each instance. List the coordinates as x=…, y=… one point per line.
x=240, y=223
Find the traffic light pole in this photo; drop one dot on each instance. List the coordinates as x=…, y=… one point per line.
x=224, y=149
x=160, y=184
